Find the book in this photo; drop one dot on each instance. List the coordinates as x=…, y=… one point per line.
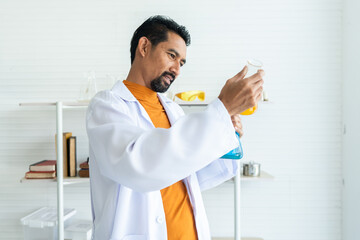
x=44, y=165
x=85, y=165
x=66, y=136
x=40, y=174
x=72, y=156
x=84, y=173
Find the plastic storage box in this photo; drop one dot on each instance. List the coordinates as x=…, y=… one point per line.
x=78, y=230
x=42, y=224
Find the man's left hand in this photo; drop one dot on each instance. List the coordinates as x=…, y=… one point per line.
x=236, y=120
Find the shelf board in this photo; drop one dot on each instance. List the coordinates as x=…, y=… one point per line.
x=189, y=104
x=66, y=181
x=197, y=103
x=231, y=238
x=65, y=104
x=86, y=103
x=264, y=176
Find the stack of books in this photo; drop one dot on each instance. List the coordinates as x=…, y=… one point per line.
x=42, y=170
x=84, y=171
x=69, y=154
x=47, y=168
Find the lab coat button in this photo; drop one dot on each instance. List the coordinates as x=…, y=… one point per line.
x=160, y=219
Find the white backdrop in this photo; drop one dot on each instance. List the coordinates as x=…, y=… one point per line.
x=46, y=46
x=351, y=118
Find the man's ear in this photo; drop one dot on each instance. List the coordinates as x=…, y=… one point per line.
x=144, y=46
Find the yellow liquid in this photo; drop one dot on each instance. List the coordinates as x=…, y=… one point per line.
x=249, y=111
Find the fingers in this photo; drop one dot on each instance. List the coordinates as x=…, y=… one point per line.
x=257, y=90
x=241, y=132
x=236, y=120
x=256, y=77
x=258, y=94
x=258, y=84
x=240, y=93
x=242, y=73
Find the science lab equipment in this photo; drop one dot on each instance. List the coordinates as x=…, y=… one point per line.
x=236, y=153
x=251, y=169
x=89, y=89
x=253, y=66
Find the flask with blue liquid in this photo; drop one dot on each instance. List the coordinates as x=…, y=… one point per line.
x=236, y=153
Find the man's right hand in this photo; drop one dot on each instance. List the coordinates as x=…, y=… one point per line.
x=239, y=93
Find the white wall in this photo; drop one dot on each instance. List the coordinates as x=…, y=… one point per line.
x=351, y=118
x=45, y=46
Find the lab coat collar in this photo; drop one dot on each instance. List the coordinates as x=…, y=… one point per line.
x=120, y=89
x=123, y=92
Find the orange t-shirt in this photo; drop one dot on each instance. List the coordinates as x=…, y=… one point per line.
x=179, y=216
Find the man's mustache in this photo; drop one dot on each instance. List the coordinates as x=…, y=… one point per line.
x=169, y=73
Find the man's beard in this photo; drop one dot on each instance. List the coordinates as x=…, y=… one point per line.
x=160, y=85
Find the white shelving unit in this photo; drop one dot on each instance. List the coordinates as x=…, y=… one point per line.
x=60, y=106
x=60, y=181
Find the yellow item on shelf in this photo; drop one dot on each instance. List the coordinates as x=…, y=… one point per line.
x=249, y=111
x=191, y=95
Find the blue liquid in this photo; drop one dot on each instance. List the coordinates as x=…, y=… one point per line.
x=236, y=153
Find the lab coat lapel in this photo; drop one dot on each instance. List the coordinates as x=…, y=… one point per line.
x=144, y=114
x=170, y=112
x=127, y=96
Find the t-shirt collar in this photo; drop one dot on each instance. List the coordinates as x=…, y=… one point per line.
x=120, y=89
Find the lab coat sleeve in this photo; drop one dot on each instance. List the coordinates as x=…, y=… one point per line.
x=152, y=159
x=216, y=173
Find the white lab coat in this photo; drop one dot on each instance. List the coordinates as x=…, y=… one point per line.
x=131, y=161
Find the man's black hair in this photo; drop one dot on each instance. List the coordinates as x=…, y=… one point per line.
x=156, y=29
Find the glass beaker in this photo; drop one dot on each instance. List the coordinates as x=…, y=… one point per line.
x=253, y=66
x=89, y=89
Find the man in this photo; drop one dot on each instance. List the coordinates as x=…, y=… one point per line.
x=149, y=162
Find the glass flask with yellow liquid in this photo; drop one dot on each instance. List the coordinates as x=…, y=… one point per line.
x=237, y=153
x=253, y=66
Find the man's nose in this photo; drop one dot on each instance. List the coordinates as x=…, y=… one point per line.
x=175, y=68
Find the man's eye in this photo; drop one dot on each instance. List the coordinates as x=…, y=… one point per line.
x=172, y=55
